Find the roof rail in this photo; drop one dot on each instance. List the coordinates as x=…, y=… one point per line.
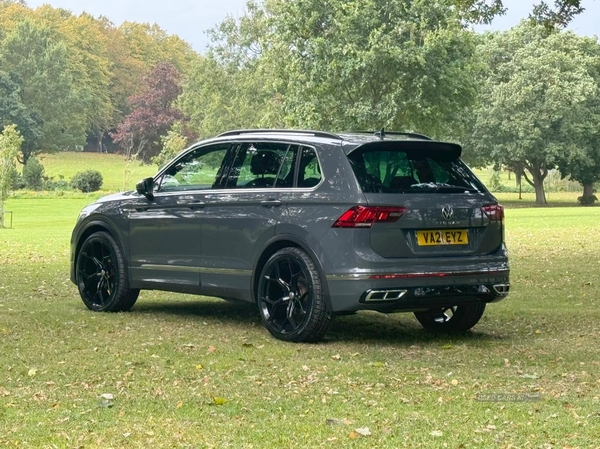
x=395, y=133
x=239, y=132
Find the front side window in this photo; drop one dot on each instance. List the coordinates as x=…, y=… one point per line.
x=200, y=169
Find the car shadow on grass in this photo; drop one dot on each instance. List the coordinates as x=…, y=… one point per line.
x=372, y=327
x=210, y=309
x=400, y=328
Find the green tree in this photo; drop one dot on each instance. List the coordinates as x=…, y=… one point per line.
x=92, y=64
x=10, y=143
x=345, y=65
x=33, y=174
x=582, y=161
x=172, y=144
x=36, y=56
x=558, y=17
x=535, y=92
x=368, y=65
x=217, y=97
x=13, y=111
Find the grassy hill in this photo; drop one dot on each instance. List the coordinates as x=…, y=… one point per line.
x=117, y=173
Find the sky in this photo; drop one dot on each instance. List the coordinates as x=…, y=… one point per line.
x=191, y=19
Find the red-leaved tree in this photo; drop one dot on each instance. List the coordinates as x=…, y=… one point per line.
x=153, y=113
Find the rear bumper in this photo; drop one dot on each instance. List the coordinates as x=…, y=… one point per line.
x=388, y=291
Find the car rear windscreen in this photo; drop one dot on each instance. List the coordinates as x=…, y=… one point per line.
x=403, y=167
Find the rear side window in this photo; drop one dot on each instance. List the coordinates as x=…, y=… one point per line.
x=309, y=173
x=273, y=165
x=389, y=170
x=262, y=165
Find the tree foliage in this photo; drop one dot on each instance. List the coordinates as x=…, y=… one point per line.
x=558, y=17
x=14, y=111
x=534, y=98
x=172, y=144
x=74, y=74
x=35, y=55
x=33, y=174
x=582, y=161
x=153, y=113
x=10, y=143
x=336, y=65
x=68, y=79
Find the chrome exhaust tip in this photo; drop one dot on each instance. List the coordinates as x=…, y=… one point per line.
x=384, y=295
x=501, y=289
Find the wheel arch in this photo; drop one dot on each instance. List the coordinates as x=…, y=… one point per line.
x=89, y=229
x=286, y=241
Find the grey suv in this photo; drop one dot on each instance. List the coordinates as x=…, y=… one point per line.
x=306, y=225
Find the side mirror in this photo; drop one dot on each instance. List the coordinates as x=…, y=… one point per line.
x=146, y=187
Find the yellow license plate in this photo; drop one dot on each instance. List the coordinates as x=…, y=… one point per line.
x=442, y=237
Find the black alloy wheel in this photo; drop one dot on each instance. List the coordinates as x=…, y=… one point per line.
x=101, y=275
x=290, y=297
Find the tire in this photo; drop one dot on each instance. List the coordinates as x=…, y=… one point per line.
x=290, y=297
x=451, y=319
x=102, y=277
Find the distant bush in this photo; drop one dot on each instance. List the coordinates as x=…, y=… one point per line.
x=554, y=182
x=495, y=184
x=33, y=174
x=87, y=181
x=51, y=184
x=61, y=184
x=173, y=143
x=18, y=182
x=525, y=188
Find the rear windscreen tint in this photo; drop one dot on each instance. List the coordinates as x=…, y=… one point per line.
x=388, y=170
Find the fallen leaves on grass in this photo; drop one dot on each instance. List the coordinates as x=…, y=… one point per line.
x=216, y=400
x=363, y=431
x=106, y=400
x=338, y=422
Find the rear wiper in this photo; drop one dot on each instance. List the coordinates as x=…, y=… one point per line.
x=441, y=187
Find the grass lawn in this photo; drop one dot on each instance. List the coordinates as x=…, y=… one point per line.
x=188, y=371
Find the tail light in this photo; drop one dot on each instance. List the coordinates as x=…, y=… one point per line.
x=494, y=212
x=365, y=216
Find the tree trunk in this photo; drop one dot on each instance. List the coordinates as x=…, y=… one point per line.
x=26, y=155
x=538, y=185
x=100, y=137
x=1, y=213
x=538, y=174
x=540, y=195
x=588, y=189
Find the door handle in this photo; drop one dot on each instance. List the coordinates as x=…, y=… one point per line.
x=271, y=203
